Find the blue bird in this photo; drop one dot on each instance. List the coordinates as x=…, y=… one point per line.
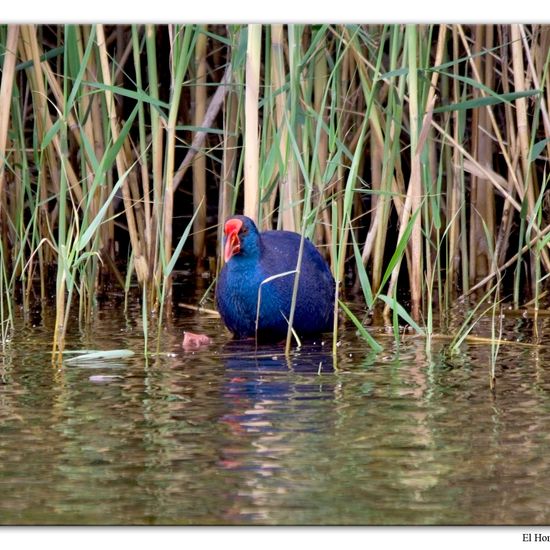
x=252, y=262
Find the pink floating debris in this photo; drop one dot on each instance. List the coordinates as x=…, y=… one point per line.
x=193, y=341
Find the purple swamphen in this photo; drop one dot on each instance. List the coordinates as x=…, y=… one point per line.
x=252, y=259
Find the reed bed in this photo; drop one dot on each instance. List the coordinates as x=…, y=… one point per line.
x=416, y=157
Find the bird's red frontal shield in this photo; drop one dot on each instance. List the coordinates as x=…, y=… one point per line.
x=232, y=242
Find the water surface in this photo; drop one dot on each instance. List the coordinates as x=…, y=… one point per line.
x=237, y=435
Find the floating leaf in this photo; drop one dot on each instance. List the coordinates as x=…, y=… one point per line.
x=100, y=378
x=101, y=355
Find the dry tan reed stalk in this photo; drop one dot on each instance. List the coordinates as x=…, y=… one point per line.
x=391, y=180
x=536, y=79
x=431, y=252
x=140, y=261
x=407, y=208
x=213, y=109
x=141, y=153
x=522, y=190
x=524, y=131
x=277, y=82
x=415, y=182
x=455, y=173
x=38, y=91
x=199, y=162
x=545, y=47
x=200, y=309
x=482, y=212
x=229, y=163
x=439, y=53
x=472, y=339
x=252, y=144
x=157, y=154
x=475, y=233
x=91, y=125
x=376, y=169
x=136, y=196
x=37, y=95
x=6, y=86
x=230, y=156
x=495, y=126
x=505, y=226
x=281, y=123
x=511, y=261
x=498, y=183
x=290, y=184
x=320, y=82
x=36, y=51
x=522, y=123
x=86, y=124
x=434, y=84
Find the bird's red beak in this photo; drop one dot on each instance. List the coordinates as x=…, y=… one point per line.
x=232, y=242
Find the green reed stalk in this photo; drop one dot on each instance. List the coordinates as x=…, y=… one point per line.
x=156, y=156
x=375, y=242
x=182, y=49
x=6, y=313
x=496, y=319
x=144, y=157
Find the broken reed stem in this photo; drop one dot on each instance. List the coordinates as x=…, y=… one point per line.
x=212, y=112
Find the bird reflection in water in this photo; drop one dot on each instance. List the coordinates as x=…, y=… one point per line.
x=270, y=400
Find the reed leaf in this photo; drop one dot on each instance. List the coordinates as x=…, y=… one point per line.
x=375, y=346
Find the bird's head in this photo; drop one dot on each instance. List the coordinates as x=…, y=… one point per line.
x=241, y=237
